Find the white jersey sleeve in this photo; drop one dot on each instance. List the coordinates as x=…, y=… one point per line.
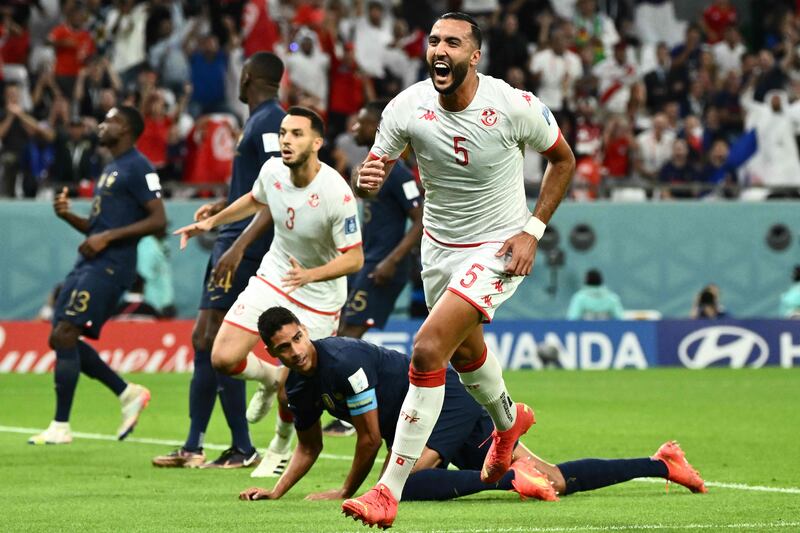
x=392, y=137
x=259, y=191
x=345, y=229
x=534, y=123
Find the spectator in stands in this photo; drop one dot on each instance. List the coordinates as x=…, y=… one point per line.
x=616, y=75
x=307, y=67
x=588, y=131
x=728, y=52
x=125, y=27
x=209, y=64
x=687, y=54
x=508, y=47
x=153, y=266
x=594, y=29
x=73, y=46
x=617, y=145
x=594, y=301
x=347, y=154
x=372, y=34
x=160, y=126
x=259, y=30
x=769, y=75
x=678, y=174
x=777, y=161
x=554, y=71
x=657, y=80
x=717, y=18
x=92, y=79
x=726, y=100
x=707, y=304
x=350, y=88
x=654, y=148
x=75, y=155
x=167, y=56
x=790, y=300
x=16, y=129
x=718, y=170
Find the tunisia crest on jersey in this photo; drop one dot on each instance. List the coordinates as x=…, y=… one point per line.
x=489, y=117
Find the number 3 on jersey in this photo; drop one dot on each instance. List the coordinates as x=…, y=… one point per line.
x=460, y=150
x=290, y=220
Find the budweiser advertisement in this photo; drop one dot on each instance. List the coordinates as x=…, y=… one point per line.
x=130, y=346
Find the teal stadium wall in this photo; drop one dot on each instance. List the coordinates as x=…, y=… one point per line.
x=655, y=255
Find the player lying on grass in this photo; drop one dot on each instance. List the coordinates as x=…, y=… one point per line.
x=365, y=385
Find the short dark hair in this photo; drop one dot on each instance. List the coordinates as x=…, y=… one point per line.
x=594, y=278
x=266, y=66
x=376, y=107
x=272, y=320
x=133, y=118
x=316, y=121
x=477, y=35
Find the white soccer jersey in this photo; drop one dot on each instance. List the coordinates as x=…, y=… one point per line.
x=470, y=162
x=313, y=224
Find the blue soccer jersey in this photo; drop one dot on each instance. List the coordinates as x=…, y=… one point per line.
x=257, y=144
x=384, y=224
x=126, y=185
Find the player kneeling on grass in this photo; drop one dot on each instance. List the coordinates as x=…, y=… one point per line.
x=365, y=384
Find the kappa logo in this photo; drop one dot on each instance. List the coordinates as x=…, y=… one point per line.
x=489, y=117
x=528, y=97
x=487, y=300
x=313, y=200
x=498, y=285
x=742, y=347
x=277, y=185
x=238, y=310
x=429, y=115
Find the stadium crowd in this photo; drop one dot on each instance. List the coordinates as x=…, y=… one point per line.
x=653, y=106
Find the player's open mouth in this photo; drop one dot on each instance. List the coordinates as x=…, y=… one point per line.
x=286, y=153
x=441, y=71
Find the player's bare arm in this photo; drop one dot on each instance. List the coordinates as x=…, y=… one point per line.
x=371, y=176
x=521, y=248
x=229, y=262
x=61, y=206
x=210, y=209
x=368, y=443
x=309, y=446
x=154, y=222
x=385, y=270
x=349, y=262
x=243, y=207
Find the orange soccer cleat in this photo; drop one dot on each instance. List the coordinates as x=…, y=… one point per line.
x=678, y=468
x=529, y=482
x=375, y=508
x=498, y=459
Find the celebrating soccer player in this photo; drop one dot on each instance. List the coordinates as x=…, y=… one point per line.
x=469, y=133
x=126, y=206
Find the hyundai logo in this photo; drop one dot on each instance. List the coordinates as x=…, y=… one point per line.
x=706, y=346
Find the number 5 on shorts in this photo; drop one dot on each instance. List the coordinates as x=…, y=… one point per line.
x=471, y=277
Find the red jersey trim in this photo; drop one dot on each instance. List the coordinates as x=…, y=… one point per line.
x=253, y=196
x=469, y=300
x=474, y=365
x=373, y=157
x=454, y=244
x=435, y=378
x=298, y=303
x=554, y=143
x=248, y=330
x=356, y=245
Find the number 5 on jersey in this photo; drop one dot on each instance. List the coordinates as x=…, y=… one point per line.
x=460, y=151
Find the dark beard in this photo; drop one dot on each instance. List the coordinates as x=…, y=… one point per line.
x=459, y=75
x=301, y=160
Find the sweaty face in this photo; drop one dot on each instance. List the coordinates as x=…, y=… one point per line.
x=365, y=128
x=110, y=130
x=296, y=140
x=450, y=50
x=293, y=347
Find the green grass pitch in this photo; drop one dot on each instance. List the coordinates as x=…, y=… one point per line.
x=737, y=427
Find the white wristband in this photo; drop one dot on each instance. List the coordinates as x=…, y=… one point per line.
x=535, y=227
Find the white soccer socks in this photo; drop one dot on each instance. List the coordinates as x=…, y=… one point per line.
x=418, y=415
x=483, y=379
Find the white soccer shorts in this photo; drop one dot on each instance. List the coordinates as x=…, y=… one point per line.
x=260, y=295
x=473, y=273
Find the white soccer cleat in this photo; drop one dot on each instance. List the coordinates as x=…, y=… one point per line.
x=260, y=403
x=272, y=464
x=56, y=433
x=133, y=399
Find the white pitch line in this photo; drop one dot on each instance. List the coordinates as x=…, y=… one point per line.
x=632, y=527
x=167, y=442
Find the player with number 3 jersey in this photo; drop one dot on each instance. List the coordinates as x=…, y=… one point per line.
x=469, y=133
